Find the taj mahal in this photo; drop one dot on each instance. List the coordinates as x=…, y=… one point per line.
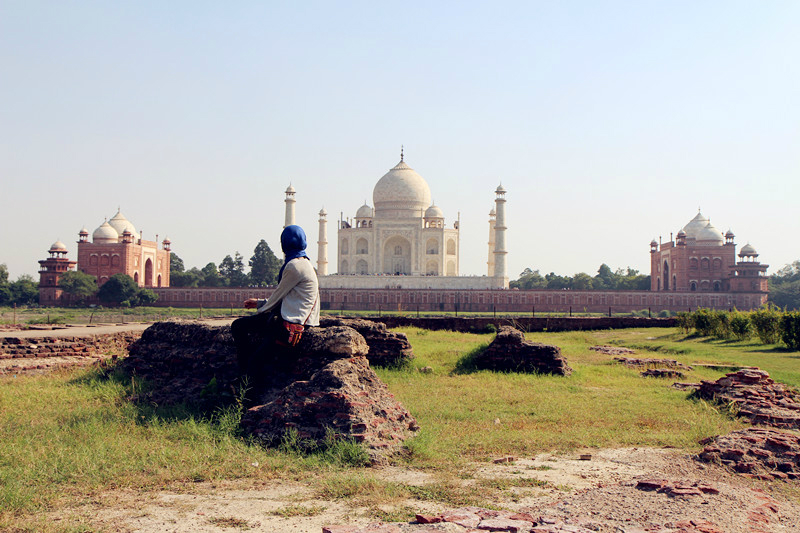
x=403, y=241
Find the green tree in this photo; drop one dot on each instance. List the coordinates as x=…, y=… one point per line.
x=232, y=270
x=529, y=279
x=554, y=281
x=581, y=282
x=605, y=278
x=190, y=278
x=145, y=297
x=79, y=285
x=175, y=264
x=264, y=265
x=210, y=276
x=784, y=287
x=5, y=292
x=119, y=288
x=24, y=291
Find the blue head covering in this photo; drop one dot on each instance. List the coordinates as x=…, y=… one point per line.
x=293, y=243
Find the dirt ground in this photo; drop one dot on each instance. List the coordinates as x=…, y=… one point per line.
x=600, y=494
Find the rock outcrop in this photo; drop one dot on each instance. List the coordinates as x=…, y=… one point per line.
x=510, y=352
x=762, y=453
x=754, y=395
x=345, y=396
x=323, y=384
x=386, y=348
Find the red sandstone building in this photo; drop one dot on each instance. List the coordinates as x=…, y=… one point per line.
x=116, y=248
x=50, y=271
x=702, y=259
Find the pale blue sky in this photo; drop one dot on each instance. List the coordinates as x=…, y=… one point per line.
x=608, y=122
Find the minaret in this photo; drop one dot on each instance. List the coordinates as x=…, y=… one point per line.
x=322, y=244
x=490, y=262
x=290, y=201
x=500, y=269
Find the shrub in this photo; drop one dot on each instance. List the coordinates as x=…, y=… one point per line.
x=685, y=321
x=790, y=329
x=767, y=325
x=741, y=328
x=705, y=322
x=723, y=325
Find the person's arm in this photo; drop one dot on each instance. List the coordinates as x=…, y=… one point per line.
x=291, y=277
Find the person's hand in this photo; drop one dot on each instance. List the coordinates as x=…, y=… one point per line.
x=250, y=303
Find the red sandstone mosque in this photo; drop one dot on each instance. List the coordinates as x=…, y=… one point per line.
x=702, y=259
x=116, y=248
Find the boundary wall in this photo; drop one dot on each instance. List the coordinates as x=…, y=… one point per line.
x=473, y=300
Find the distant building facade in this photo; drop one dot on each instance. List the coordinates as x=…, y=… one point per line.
x=115, y=248
x=701, y=259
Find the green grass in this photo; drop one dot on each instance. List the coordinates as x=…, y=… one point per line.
x=68, y=437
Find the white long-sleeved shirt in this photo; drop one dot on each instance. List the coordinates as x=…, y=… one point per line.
x=298, y=291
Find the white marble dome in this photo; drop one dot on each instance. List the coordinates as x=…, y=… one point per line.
x=710, y=236
x=695, y=226
x=401, y=193
x=364, y=211
x=58, y=246
x=434, y=212
x=748, y=250
x=105, y=233
x=120, y=223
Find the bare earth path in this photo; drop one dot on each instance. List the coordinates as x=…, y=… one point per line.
x=599, y=494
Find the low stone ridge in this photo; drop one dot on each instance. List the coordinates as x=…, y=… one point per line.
x=386, y=348
x=761, y=453
x=346, y=396
x=644, y=362
x=612, y=350
x=676, y=489
x=325, y=382
x=468, y=519
x=756, y=397
x=510, y=352
x=35, y=354
x=661, y=373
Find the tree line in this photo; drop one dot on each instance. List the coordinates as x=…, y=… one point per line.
x=606, y=279
x=263, y=265
x=24, y=291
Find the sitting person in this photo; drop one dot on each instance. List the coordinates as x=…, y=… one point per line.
x=293, y=305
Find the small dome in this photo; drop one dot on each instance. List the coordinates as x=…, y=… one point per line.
x=120, y=223
x=401, y=193
x=83, y=231
x=364, y=211
x=500, y=189
x=322, y=212
x=493, y=213
x=696, y=225
x=654, y=243
x=166, y=240
x=748, y=250
x=710, y=236
x=433, y=212
x=681, y=233
x=58, y=246
x=290, y=189
x=105, y=233
x=729, y=235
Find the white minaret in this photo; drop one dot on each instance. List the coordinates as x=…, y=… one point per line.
x=490, y=262
x=322, y=244
x=500, y=269
x=290, y=201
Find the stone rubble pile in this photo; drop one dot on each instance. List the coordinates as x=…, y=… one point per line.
x=510, y=352
x=761, y=453
x=755, y=396
x=635, y=362
x=661, y=373
x=386, y=348
x=26, y=354
x=323, y=384
x=612, y=350
x=676, y=489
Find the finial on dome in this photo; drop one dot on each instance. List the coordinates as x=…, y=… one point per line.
x=401, y=152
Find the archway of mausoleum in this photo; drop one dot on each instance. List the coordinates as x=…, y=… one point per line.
x=397, y=255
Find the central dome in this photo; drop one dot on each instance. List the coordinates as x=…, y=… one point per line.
x=401, y=193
